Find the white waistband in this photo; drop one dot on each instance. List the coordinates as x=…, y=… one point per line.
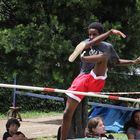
x=98, y=77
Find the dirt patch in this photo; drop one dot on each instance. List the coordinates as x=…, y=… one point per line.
x=39, y=127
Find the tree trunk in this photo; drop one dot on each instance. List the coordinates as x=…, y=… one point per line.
x=79, y=121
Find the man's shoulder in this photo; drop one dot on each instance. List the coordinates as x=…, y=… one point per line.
x=106, y=43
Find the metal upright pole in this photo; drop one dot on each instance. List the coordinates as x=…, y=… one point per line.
x=14, y=93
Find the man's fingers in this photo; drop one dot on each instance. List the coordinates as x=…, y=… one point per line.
x=137, y=61
x=117, y=32
x=122, y=34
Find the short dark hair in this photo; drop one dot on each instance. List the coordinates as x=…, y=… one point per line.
x=96, y=25
x=12, y=121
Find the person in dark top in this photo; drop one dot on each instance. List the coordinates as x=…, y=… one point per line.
x=12, y=133
x=102, y=47
x=132, y=127
x=95, y=59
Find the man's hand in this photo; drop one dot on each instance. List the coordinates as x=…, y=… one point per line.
x=117, y=32
x=137, y=61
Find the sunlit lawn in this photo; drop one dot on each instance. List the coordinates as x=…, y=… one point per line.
x=117, y=136
x=35, y=114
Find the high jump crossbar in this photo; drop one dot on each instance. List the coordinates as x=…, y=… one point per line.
x=94, y=94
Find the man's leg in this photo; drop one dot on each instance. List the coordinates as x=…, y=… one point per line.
x=100, y=69
x=71, y=105
x=100, y=61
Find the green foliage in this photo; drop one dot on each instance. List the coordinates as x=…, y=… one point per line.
x=34, y=48
x=133, y=29
x=117, y=41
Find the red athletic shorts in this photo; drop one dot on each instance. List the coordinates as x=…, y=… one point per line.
x=86, y=83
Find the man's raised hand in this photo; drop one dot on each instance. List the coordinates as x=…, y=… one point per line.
x=137, y=61
x=117, y=32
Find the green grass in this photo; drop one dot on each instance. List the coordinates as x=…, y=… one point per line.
x=117, y=136
x=37, y=114
x=2, y=116
x=49, y=138
x=33, y=114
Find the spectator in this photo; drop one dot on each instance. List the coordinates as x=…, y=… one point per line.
x=132, y=127
x=12, y=133
x=96, y=129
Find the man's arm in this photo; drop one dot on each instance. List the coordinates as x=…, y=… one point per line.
x=128, y=62
x=84, y=45
x=103, y=36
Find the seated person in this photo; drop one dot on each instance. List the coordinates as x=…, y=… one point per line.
x=132, y=127
x=12, y=133
x=96, y=129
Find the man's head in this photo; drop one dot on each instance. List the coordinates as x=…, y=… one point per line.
x=96, y=25
x=95, y=29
